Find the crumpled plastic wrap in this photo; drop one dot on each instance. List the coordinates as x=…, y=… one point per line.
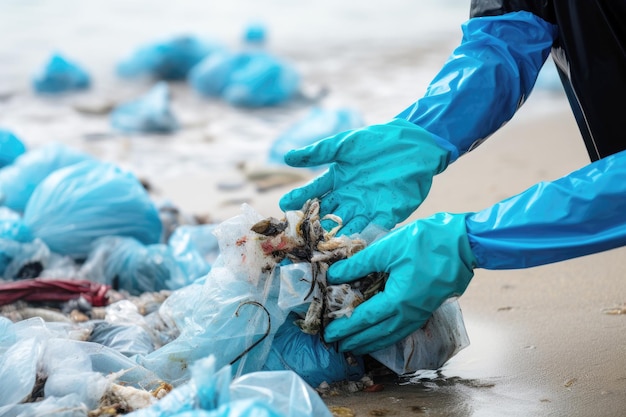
x=150, y=113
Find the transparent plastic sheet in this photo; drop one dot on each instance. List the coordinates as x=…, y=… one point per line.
x=232, y=315
x=195, y=248
x=212, y=392
x=10, y=147
x=309, y=357
x=126, y=264
x=169, y=59
x=247, y=78
x=442, y=337
x=318, y=124
x=60, y=75
x=150, y=113
x=78, y=204
x=18, y=180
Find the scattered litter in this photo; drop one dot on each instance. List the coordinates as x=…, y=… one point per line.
x=10, y=147
x=247, y=78
x=170, y=59
x=148, y=114
x=60, y=75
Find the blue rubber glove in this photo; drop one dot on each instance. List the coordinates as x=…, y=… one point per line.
x=428, y=261
x=378, y=174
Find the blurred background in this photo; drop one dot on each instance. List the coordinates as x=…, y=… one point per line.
x=373, y=58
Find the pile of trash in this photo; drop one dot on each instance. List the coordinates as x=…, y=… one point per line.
x=101, y=317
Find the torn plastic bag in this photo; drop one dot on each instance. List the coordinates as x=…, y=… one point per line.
x=232, y=315
x=310, y=357
x=78, y=204
x=317, y=125
x=212, y=393
x=195, y=248
x=248, y=79
x=60, y=75
x=126, y=264
x=430, y=347
x=148, y=114
x=129, y=340
x=18, y=180
x=10, y=147
x=169, y=59
x=285, y=391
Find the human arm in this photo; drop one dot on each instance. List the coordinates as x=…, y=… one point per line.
x=433, y=259
x=380, y=174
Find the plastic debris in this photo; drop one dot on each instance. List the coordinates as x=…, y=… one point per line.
x=126, y=264
x=10, y=147
x=61, y=75
x=255, y=33
x=78, y=204
x=247, y=79
x=430, y=347
x=148, y=114
x=318, y=124
x=170, y=59
x=310, y=357
x=263, y=394
x=195, y=248
x=18, y=180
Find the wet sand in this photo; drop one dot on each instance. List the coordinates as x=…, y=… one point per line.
x=542, y=342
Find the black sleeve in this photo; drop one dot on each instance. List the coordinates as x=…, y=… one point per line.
x=541, y=8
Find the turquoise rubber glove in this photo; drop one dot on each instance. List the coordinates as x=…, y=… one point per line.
x=428, y=261
x=378, y=174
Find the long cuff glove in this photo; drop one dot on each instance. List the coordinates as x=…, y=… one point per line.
x=378, y=174
x=579, y=214
x=429, y=261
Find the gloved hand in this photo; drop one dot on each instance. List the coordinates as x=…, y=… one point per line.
x=428, y=261
x=378, y=174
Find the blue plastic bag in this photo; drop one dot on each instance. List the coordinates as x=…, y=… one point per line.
x=60, y=75
x=126, y=264
x=10, y=147
x=255, y=33
x=18, y=180
x=78, y=204
x=310, y=357
x=248, y=79
x=150, y=113
x=167, y=60
x=317, y=125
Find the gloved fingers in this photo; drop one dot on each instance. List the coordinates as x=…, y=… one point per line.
x=373, y=311
x=379, y=336
x=357, y=266
x=295, y=199
x=320, y=153
x=330, y=202
x=354, y=225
